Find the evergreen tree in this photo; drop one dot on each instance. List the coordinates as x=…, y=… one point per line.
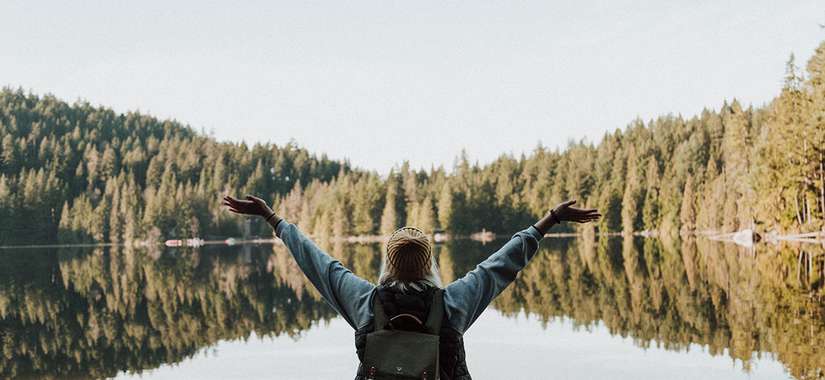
x=688, y=212
x=445, y=207
x=389, y=217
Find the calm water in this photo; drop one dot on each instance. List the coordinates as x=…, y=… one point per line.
x=614, y=308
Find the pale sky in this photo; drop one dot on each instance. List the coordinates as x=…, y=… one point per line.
x=379, y=82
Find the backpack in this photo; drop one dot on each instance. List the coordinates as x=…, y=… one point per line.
x=393, y=353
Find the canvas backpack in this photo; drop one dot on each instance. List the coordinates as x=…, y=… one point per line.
x=393, y=353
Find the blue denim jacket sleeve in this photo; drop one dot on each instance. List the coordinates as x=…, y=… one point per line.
x=347, y=293
x=466, y=298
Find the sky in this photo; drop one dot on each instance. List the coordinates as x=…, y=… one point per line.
x=380, y=82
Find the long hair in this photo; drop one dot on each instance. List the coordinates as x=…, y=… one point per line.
x=433, y=278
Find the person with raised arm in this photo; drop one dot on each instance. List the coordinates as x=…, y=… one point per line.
x=410, y=326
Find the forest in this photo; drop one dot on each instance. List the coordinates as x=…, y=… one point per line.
x=82, y=173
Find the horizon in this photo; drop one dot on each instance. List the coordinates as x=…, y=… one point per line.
x=376, y=85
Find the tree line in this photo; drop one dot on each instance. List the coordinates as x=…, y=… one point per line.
x=79, y=173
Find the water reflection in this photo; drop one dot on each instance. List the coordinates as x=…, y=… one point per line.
x=95, y=312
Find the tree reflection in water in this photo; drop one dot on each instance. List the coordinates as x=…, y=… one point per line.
x=96, y=312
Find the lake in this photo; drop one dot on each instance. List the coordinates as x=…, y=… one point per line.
x=617, y=308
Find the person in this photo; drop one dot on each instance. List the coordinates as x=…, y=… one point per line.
x=409, y=284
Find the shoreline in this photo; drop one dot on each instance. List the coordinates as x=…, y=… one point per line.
x=743, y=238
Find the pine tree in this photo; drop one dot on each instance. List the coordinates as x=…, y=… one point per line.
x=413, y=214
x=445, y=207
x=426, y=216
x=115, y=216
x=687, y=214
x=631, y=220
x=340, y=222
x=389, y=217
x=650, y=210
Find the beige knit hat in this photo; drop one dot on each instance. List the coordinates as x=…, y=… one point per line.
x=408, y=254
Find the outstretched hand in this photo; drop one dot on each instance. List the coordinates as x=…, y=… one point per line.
x=564, y=212
x=251, y=206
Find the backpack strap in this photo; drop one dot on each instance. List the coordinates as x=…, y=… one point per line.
x=436, y=315
x=434, y=318
x=378, y=313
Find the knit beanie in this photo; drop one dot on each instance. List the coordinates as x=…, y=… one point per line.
x=408, y=254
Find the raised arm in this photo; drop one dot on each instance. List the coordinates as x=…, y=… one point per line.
x=347, y=293
x=466, y=298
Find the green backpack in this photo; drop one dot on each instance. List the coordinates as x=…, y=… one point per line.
x=398, y=354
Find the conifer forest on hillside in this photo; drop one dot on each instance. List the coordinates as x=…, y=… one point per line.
x=81, y=173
